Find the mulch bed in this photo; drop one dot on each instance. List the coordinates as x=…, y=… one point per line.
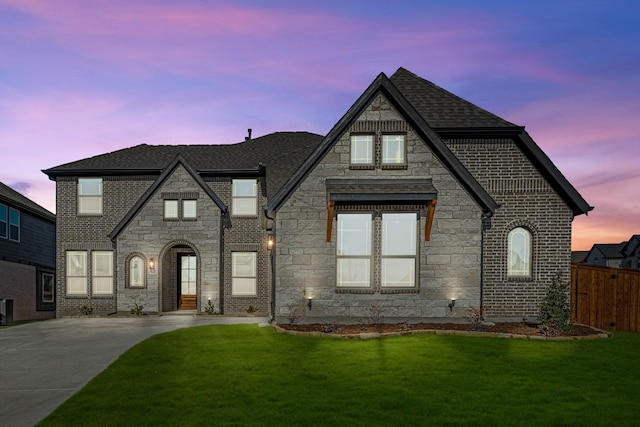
x=512, y=328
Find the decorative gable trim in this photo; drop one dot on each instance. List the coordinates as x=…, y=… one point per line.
x=178, y=160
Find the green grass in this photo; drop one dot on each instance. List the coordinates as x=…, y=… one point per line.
x=244, y=375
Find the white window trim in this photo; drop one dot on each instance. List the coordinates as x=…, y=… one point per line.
x=340, y=258
x=143, y=272
x=84, y=291
x=237, y=277
x=527, y=269
x=235, y=211
x=96, y=278
x=368, y=139
x=408, y=256
x=195, y=209
x=88, y=196
x=404, y=150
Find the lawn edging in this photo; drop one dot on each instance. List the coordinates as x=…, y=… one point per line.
x=369, y=335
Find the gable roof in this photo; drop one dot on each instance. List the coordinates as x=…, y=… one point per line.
x=177, y=161
x=383, y=85
x=283, y=151
x=449, y=114
x=10, y=196
x=609, y=250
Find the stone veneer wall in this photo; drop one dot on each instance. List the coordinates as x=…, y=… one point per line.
x=527, y=200
x=87, y=233
x=449, y=262
x=150, y=235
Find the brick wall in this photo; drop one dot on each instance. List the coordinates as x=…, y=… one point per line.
x=527, y=200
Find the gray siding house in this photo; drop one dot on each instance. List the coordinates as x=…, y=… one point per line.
x=417, y=204
x=27, y=256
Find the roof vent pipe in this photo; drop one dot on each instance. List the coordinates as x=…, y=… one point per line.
x=247, y=138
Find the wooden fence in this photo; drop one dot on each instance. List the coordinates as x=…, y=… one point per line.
x=605, y=297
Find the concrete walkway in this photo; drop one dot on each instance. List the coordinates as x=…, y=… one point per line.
x=42, y=364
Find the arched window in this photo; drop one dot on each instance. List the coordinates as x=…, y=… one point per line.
x=136, y=272
x=519, y=253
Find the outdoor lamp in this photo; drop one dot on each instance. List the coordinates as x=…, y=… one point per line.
x=152, y=264
x=310, y=303
x=452, y=304
x=270, y=242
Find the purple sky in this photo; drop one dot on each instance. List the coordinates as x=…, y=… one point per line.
x=81, y=78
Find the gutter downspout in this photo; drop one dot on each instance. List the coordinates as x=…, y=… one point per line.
x=272, y=260
x=485, y=225
x=221, y=254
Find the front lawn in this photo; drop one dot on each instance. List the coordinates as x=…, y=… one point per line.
x=245, y=375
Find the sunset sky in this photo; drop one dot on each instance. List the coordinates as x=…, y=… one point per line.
x=81, y=78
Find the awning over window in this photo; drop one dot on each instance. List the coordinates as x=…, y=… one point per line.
x=381, y=192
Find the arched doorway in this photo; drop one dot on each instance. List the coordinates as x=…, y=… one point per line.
x=180, y=281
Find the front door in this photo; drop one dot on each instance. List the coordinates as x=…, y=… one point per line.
x=187, y=265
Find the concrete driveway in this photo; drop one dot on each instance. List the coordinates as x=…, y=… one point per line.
x=42, y=364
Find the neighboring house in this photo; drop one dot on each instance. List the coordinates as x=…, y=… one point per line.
x=579, y=256
x=27, y=256
x=417, y=202
x=631, y=253
x=624, y=254
x=606, y=254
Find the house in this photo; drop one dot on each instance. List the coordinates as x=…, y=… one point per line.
x=623, y=254
x=417, y=204
x=27, y=257
x=606, y=254
x=579, y=256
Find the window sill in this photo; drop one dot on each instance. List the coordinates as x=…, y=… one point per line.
x=362, y=167
x=355, y=291
x=520, y=279
x=402, y=166
x=399, y=291
x=89, y=215
x=244, y=296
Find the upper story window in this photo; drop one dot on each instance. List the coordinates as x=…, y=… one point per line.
x=170, y=209
x=189, y=209
x=14, y=224
x=90, y=196
x=362, y=150
x=244, y=197
x=3, y=221
x=519, y=253
x=393, y=150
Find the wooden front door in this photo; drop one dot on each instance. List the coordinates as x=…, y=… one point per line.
x=187, y=265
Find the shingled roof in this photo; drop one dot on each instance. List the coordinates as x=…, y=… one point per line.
x=11, y=197
x=442, y=109
x=283, y=151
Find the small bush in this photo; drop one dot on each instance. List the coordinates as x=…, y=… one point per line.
x=137, y=309
x=475, y=316
x=294, y=314
x=86, y=310
x=209, y=308
x=555, y=311
x=375, y=314
x=251, y=309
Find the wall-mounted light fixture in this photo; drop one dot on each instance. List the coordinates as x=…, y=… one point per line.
x=310, y=303
x=452, y=304
x=270, y=242
x=152, y=264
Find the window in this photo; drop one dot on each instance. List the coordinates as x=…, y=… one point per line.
x=386, y=244
x=170, y=209
x=90, y=196
x=47, y=287
x=354, y=250
x=362, y=150
x=399, y=247
x=76, y=273
x=519, y=253
x=393, y=151
x=243, y=273
x=189, y=209
x=3, y=221
x=102, y=277
x=136, y=272
x=14, y=224
x=245, y=197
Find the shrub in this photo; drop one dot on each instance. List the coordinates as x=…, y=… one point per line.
x=137, y=309
x=86, y=310
x=210, y=308
x=294, y=314
x=475, y=316
x=376, y=315
x=251, y=309
x=555, y=311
